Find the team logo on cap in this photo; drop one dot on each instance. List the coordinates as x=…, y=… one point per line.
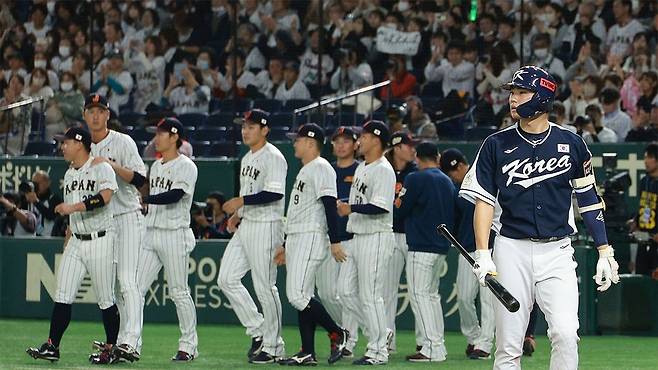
x=310, y=134
x=397, y=140
x=174, y=130
x=96, y=98
x=78, y=137
x=376, y=132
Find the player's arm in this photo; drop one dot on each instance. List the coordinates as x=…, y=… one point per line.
x=407, y=197
x=482, y=220
x=97, y=201
x=168, y=197
x=274, y=189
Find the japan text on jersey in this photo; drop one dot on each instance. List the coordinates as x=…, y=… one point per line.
x=306, y=212
x=529, y=182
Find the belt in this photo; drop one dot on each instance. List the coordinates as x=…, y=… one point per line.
x=92, y=236
x=547, y=240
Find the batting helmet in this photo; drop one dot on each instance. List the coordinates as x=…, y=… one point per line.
x=541, y=83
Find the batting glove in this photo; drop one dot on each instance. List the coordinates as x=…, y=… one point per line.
x=483, y=265
x=606, y=269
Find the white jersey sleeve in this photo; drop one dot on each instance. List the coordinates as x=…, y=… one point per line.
x=263, y=170
x=180, y=173
x=82, y=184
x=374, y=184
x=306, y=213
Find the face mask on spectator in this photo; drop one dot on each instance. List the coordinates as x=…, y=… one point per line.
x=64, y=51
x=589, y=90
x=38, y=81
x=202, y=64
x=541, y=53
x=40, y=63
x=66, y=86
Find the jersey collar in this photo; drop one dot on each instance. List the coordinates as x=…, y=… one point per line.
x=518, y=131
x=106, y=140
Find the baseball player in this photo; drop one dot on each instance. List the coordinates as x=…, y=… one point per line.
x=530, y=170
x=479, y=335
x=344, y=148
x=370, y=211
x=311, y=217
x=401, y=156
x=88, y=247
x=170, y=241
x=426, y=201
x=260, y=209
x=120, y=151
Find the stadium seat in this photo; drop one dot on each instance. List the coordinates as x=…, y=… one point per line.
x=200, y=148
x=268, y=105
x=193, y=119
x=42, y=148
x=292, y=104
x=223, y=149
x=480, y=133
x=281, y=120
x=234, y=106
x=221, y=120
x=131, y=118
x=210, y=134
x=279, y=134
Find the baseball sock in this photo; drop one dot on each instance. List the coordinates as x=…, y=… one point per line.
x=307, y=331
x=321, y=316
x=59, y=321
x=111, y=324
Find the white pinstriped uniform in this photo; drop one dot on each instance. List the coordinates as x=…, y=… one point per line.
x=478, y=333
x=252, y=248
x=169, y=244
x=392, y=284
x=306, y=229
x=95, y=256
x=128, y=224
x=362, y=276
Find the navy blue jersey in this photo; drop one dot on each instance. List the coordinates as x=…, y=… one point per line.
x=528, y=182
x=464, y=221
x=427, y=201
x=344, y=177
x=646, y=214
x=398, y=223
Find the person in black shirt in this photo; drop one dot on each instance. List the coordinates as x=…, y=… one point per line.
x=45, y=202
x=643, y=128
x=645, y=220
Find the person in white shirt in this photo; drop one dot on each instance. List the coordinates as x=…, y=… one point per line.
x=308, y=70
x=38, y=26
x=64, y=58
x=16, y=66
x=113, y=37
x=494, y=74
x=353, y=72
x=147, y=65
x=280, y=18
x=41, y=61
x=268, y=81
x=38, y=87
x=620, y=35
x=245, y=77
x=254, y=60
x=187, y=96
x=543, y=56
x=613, y=117
x=115, y=82
x=293, y=87
x=454, y=72
x=593, y=129
x=150, y=25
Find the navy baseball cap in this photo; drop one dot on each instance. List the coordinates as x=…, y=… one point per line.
x=450, y=159
x=345, y=131
x=77, y=133
x=310, y=130
x=171, y=125
x=96, y=100
x=257, y=116
x=402, y=137
x=379, y=129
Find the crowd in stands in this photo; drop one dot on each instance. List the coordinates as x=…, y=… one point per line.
x=153, y=58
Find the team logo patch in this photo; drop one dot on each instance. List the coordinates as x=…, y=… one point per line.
x=563, y=148
x=587, y=167
x=547, y=84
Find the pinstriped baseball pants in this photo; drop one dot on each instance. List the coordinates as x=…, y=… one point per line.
x=304, y=254
x=480, y=334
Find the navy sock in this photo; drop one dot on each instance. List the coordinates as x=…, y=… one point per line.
x=59, y=321
x=111, y=324
x=321, y=316
x=307, y=331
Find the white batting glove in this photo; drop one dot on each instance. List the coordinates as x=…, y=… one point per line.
x=606, y=269
x=483, y=265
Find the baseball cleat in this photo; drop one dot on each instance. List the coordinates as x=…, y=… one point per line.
x=479, y=354
x=338, y=343
x=102, y=358
x=263, y=358
x=418, y=357
x=98, y=345
x=126, y=352
x=469, y=349
x=256, y=347
x=365, y=360
x=347, y=353
x=419, y=348
x=529, y=345
x=47, y=351
x=390, y=334
x=182, y=356
x=300, y=359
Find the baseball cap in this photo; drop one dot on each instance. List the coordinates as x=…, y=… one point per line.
x=427, y=149
x=257, y=116
x=450, y=159
x=379, y=129
x=310, y=130
x=171, y=125
x=401, y=137
x=78, y=134
x=96, y=100
x=345, y=131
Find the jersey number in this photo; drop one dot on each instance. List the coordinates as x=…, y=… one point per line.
x=295, y=199
x=358, y=199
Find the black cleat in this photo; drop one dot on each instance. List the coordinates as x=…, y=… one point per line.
x=263, y=358
x=418, y=357
x=365, y=360
x=104, y=357
x=469, y=349
x=182, y=356
x=479, y=354
x=300, y=359
x=256, y=347
x=419, y=348
x=347, y=353
x=126, y=352
x=47, y=351
x=338, y=343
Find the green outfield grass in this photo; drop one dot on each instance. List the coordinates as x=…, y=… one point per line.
x=224, y=347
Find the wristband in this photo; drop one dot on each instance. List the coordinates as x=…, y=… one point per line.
x=94, y=202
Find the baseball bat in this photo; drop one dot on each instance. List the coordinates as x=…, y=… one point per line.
x=498, y=290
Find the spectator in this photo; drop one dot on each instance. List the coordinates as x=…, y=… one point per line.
x=188, y=95
x=648, y=88
x=132, y=18
x=255, y=60
x=614, y=118
x=584, y=65
x=80, y=42
x=352, y=72
x=12, y=123
x=551, y=22
x=211, y=222
x=245, y=77
x=80, y=71
x=63, y=61
x=643, y=129
x=583, y=93
x=419, y=123
x=619, y=36
x=292, y=88
x=18, y=221
x=64, y=108
x=38, y=26
x=588, y=29
x=268, y=81
x=543, y=56
x=308, y=71
x=402, y=84
x=250, y=12
x=395, y=116
x=592, y=127
x=150, y=23
x=16, y=66
x=570, y=11
x=281, y=19
x=114, y=82
x=646, y=261
x=486, y=35
x=456, y=73
x=44, y=201
x=506, y=28
x=207, y=65
x=560, y=117
x=496, y=73
x=147, y=65
x=630, y=91
x=113, y=38
x=41, y=61
x=38, y=86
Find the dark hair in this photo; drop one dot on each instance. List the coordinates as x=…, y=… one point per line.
x=652, y=150
x=154, y=15
x=614, y=78
x=507, y=50
x=592, y=111
x=42, y=8
x=558, y=108
x=73, y=78
x=610, y=96
x=218, y=196
x=455, y=45
x=628, y=4
x=158, y=44
x=45, y=73
x=542, y=37
x=556, y=7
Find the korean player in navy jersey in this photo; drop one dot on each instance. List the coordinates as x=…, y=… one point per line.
x=521, y=182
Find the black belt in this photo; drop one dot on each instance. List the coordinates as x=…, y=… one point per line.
x=547, y=240
x=92, y=236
